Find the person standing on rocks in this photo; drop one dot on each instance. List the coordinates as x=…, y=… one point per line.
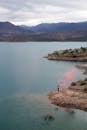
x=58, y=87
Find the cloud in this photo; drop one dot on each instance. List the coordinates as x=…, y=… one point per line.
x=36, y=11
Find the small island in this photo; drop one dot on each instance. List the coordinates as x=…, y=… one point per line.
x=79, y=54
x=75, y=96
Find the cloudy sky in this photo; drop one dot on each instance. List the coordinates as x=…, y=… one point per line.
x=32, y=12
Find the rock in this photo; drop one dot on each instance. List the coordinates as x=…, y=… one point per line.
x=70, y=111
x=56, y=109
x=48, y=117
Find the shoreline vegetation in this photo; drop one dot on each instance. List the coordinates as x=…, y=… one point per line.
x=75, y=96
x=69, y=55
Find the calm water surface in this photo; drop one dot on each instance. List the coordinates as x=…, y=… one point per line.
x=26, y=78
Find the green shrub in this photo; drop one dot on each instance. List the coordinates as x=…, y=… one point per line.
x=83, y=83
x=85, y=89
x=73, y=84
x=85, y=79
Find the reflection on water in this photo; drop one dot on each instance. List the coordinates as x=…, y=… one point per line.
x=25, y=80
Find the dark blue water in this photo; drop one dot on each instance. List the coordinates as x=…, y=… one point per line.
x=26, y=78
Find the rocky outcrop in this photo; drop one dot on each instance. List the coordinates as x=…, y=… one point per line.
x=75, y=96
x=69, y=55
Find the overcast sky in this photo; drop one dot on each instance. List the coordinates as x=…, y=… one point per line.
x=32, y=12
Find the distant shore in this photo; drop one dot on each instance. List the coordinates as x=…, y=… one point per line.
x=75, y=96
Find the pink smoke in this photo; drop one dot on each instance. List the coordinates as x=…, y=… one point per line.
x=68, y=76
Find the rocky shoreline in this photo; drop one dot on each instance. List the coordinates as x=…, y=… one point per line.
x=75, y=96
x=82, y=66
x=79, y=54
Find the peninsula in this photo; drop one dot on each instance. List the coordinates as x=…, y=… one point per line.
x=79, y=54
x=75, y=96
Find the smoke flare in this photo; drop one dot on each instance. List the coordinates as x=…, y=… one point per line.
x=67, y=77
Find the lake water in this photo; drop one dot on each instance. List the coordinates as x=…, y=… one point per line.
x=25, y=80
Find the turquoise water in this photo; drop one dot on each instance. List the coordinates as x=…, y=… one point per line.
x=26, y=78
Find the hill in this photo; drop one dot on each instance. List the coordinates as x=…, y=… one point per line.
x=9, y=31
x=44, y=32
x=58, y=27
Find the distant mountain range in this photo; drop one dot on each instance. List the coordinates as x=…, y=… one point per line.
x=44, y=32
x=58, y=27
